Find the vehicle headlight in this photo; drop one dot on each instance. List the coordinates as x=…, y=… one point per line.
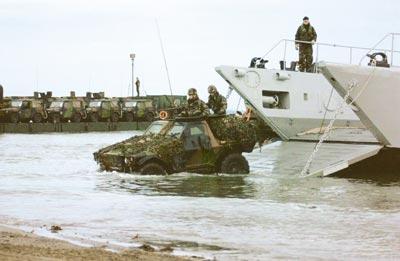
x=60, y=112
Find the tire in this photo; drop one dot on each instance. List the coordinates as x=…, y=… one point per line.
x=149, y=116
x=235, y=163
x=37, y=117
x=129, y=117
x=94, y=117
x=77, y=117
x=14, y=117
x=114, y=117
x=152, y=168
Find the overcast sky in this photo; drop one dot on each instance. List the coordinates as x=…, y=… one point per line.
x=84, y=45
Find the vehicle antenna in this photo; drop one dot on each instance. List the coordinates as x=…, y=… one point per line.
x=165, y=59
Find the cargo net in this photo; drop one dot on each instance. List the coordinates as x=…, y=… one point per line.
x=164, y=147
x=235, y=129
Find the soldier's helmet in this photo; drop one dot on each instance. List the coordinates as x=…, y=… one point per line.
x=192, y=91
x=212, y=89
x=192, y=94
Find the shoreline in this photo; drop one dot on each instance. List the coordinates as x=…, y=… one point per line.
x=16, y=245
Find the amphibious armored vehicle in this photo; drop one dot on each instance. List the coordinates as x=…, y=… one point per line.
x=211, y=144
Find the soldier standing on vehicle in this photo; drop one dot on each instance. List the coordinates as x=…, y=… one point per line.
x=305, y=32
x=195, y=106
x=216, y=102
x=137, y=83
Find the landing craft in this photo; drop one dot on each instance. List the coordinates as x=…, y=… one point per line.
x=299, y=107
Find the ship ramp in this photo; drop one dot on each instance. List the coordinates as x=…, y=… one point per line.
x=345, y=147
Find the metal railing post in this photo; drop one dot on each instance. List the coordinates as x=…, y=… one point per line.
x=316, y=58
x=392, y=58
x=351, y=55
x=284, y=56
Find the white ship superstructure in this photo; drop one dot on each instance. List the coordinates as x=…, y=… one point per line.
x=290, y=102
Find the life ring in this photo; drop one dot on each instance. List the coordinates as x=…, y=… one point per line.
x=163, y=115
x=247, y=114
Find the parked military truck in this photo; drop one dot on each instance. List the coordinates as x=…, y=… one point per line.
x=203, y=145
x=25, y=110
x=138, y=109
x=67, y=109
x=103, y=110
x=162, y=102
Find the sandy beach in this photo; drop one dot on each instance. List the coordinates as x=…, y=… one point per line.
x=18, y=245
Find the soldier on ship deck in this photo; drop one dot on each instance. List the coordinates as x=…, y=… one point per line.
x=307, y=33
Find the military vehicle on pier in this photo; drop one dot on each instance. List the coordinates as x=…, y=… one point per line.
x=211, y=144
x=104, y=109
x=4, y=103
x=67, y=109
x=137, y=109
x=25, y=110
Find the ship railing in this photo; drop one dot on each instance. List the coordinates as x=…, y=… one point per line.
x=351, y=49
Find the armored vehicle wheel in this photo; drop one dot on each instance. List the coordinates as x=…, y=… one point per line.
x=77, y=117
x=235, y=163
x=129, y=116
x=14, y=117
x=149, y=116
x=114, y=117
x=37, y=117
x=152, y=168
x=94, y=117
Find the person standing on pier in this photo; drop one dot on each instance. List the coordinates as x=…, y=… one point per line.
x=306, y=33
x=137, y=83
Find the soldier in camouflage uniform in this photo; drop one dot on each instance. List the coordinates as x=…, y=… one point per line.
x=195, y=106
x=216, y=102
x=305, y=32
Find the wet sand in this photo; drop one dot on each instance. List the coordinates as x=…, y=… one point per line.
x=19, y=245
